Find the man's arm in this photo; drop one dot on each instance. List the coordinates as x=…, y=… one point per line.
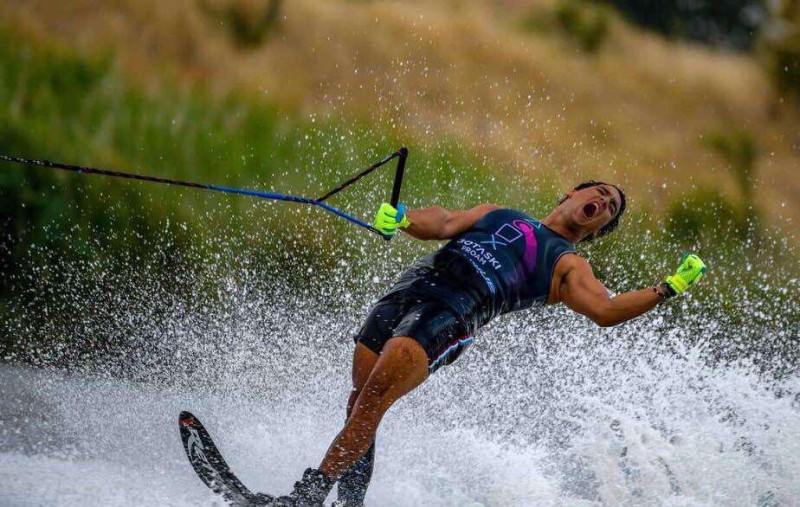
x=584, y=293
x=439, y=223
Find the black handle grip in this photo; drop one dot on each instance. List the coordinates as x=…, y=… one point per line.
x=398, y=176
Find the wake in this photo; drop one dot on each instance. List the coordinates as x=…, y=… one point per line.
x=578, y=423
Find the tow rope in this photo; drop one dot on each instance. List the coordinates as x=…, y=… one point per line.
x=400, y=155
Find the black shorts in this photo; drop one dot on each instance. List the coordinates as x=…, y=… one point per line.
x=422, y=315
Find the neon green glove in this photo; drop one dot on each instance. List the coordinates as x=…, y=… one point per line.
x=388, y=219
x=689, y=273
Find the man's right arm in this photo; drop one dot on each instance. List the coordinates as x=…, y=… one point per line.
x=583, y=293
x=439, y=223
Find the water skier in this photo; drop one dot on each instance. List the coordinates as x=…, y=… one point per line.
x=497, y=260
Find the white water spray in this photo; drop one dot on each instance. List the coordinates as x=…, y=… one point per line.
x=545, y=409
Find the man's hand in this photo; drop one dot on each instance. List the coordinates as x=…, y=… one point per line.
x=388, y=219
x=690, y=271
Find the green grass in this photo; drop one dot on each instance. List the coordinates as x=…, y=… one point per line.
x=57, y=105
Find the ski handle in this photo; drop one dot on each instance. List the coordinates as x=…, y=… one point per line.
x=402, y=154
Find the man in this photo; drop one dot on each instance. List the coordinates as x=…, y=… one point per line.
x=497, y=261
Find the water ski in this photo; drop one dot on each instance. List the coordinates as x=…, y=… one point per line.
x=210, y=466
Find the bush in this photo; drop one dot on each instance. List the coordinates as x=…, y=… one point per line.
x=783, y=68
x=249, y=25
x=537, y=19
x=780, y=46
x=586, y=23
x=724, y=23
x=703, y=213
x=739, y=149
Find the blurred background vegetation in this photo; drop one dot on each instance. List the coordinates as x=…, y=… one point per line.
x=693, y=107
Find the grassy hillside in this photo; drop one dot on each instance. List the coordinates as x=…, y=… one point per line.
x=502, y=80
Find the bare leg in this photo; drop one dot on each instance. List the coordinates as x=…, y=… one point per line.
x=353, y=483
x=364, y=361
x=402, y=366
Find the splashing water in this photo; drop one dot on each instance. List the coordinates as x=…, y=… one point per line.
x=545, y=409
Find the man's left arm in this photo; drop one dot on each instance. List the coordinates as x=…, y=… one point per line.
x=584, y=293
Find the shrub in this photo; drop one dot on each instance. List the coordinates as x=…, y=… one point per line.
x=738, y=148
x=702, y=212
x=538, y=20
x=249, y=25
x=780, y=46
x=586, y=23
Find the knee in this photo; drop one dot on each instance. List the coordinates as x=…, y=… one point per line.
x=368, y=403
x=351, y=402
x=364, y=422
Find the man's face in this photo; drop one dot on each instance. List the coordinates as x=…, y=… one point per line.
x=593, y=207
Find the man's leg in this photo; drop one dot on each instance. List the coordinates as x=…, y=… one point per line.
x=353, y=484
x=401, y=366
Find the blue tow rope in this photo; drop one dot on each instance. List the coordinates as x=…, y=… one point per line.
x=400, y=154
x=294, y=198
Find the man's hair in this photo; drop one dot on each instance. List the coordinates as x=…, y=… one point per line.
x=614, y=223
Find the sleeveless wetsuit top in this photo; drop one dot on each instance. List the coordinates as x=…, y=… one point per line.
x=513, y=255
x=503, y=263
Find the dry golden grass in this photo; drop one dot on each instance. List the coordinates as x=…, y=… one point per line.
x=462, y=70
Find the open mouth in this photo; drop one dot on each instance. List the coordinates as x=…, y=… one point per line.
x=590, y=210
